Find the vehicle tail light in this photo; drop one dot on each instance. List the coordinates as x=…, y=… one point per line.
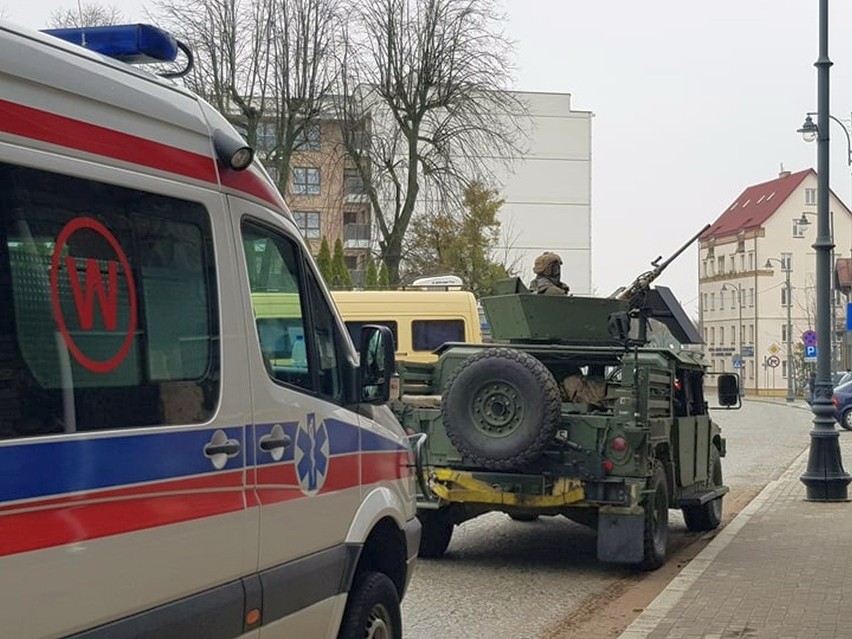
x=618, y=444
x=835, y=402
x=607, y=466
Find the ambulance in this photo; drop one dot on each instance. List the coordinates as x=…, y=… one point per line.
x=162, y=474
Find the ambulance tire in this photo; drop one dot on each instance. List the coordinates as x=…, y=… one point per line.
x=372, y=609
x=501, y=408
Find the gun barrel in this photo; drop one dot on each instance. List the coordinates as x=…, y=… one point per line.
x=644, y=280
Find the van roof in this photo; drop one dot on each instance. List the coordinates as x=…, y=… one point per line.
x=63, y=98
x=404, y=301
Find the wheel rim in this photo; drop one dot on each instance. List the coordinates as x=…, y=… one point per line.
x=497, y=411
x=378, y=624
x=847, y=419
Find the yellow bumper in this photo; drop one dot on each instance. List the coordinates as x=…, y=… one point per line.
x=460, y=486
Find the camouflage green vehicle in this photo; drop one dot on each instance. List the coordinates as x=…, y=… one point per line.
x=591, y=408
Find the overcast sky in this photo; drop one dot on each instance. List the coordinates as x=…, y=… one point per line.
x=693, y=101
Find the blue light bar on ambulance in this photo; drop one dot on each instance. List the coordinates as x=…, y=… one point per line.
x=131, y=43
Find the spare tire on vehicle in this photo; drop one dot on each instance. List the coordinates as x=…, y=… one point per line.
x=501, y=408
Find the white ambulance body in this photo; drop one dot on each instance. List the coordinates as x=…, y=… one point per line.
x=166, y=469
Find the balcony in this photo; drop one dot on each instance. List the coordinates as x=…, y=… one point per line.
x=357, y=236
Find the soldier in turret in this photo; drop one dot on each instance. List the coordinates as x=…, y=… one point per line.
x=548, y=270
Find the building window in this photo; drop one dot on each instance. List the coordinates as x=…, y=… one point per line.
x=751, y=333
x=352, y=183
x=785, y=301
x=308, y=138
x=786, y=261
x=751, y=260
x=721, y=265
x=721, y=336
x=721, y=300
x=734, y=299
x=798, y=229
x=751, y=370
x=705, y=334
x=306, y=181
x=784, y=369
x=742, y=332
x=712, y=301
x=742, y=261
x=712, y=335
x=267, y=137
x=784, y=337
x=733, y=335
x=810, y=196
x=751, y=297
x=308, y=223
x=705, y=302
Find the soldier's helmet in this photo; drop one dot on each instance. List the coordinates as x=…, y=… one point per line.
x=544, y=262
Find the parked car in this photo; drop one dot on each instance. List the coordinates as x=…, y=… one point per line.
x=842, y=398
x=838, y=378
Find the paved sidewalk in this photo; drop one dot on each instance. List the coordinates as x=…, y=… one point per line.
x=781, y=569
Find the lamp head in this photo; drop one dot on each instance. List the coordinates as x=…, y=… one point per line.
x=768, y=263
x=809, y=129
x=803, y=221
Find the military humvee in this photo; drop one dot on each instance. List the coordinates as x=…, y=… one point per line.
x=591, y=408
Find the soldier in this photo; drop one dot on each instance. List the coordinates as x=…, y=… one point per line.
x=548, y=268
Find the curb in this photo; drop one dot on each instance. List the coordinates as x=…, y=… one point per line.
x=657, y=610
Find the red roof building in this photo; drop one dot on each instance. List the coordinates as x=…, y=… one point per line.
x=760, y=245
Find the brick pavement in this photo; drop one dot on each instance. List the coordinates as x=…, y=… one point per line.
x=781, y=569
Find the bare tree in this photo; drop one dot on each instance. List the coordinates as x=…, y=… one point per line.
x=425, y=107
x=88, y=14
x=267, y=65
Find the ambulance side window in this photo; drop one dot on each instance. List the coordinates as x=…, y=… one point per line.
x=295, y=328
x=108, y=309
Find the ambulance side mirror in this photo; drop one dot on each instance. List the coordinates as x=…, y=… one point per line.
x=377, y=367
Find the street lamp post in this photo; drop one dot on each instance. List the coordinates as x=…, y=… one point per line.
x=824, y=478
x=786, y=267
x=804, y=221
x=739, y=290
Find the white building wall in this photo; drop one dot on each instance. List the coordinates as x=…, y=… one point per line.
x=547, y=190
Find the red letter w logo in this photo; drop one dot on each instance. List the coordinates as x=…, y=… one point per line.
x=85, y=300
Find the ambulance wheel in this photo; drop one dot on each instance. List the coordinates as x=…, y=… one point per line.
x=435, y=534
x=372, y=611
x=656, y=529
x=501, y=408
x=707, y=516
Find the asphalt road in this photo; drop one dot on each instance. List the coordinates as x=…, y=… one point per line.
x=503, y=579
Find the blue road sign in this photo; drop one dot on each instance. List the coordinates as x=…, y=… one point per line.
x=738, y=363
x=811, y=353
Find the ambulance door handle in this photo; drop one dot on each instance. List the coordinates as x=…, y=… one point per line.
x=275, y=442
x=267, y=443
x=221, y=444
x=230, y=449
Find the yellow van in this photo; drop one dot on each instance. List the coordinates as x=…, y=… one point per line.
x=420, y=320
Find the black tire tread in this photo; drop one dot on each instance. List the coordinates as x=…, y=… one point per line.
x=843, y=419
x=552, y=408
x=702, y=518
x=367, y=589
x=435, y=534
x=651, y=558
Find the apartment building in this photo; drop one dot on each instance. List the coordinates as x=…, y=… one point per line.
x=756, y=270
x=546, y=188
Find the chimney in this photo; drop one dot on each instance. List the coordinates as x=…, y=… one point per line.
x=782, y=173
